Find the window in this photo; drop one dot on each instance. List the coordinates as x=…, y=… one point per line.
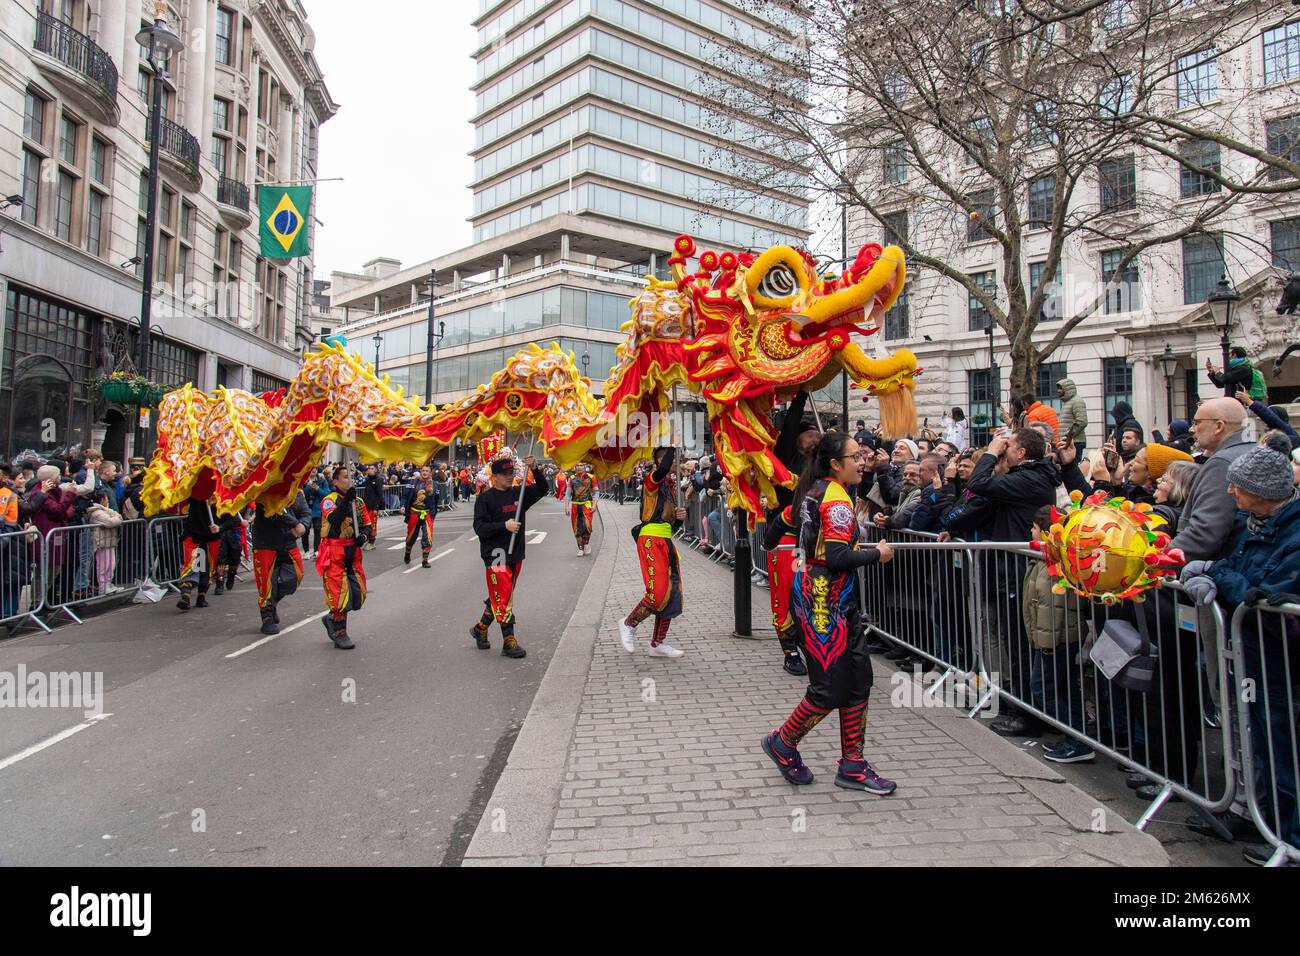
x=185, y=267
x=1042, y=122
x=1116, y=97
x=1117, y=179
x=95, y=223
x=896, y=163
x=1283, y=139
x=69, y=139
x=1282, y=52
x=1198, y=78
x=981, y=131
x=1202, y=266
x=1284, y=241
x=1126, y=295
x=1115, y=14
x=896, y=87
x=34, y=117
x=981, y=397
x=983, y=209
x=977, y=315
x=1051, y=310
x=1117, y=383
x=1049, y=373
x=64, y=198
x=1203, y=154
x=896, y=319
x=225, y=36
x=221, y=135
x=100, y=156
x=31, y=188
x=895, y=228
x=165, y=257
x=1042, y=200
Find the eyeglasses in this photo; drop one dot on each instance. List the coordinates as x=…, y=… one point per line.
x=860, y=456
x=1202, y=421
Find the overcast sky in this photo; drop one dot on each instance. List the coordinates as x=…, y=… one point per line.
x=400, y=70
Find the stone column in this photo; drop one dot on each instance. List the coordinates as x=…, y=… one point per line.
x=198, y=50
x=210, y=84
x=111, y=35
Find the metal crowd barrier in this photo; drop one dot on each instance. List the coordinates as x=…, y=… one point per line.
x=75, y=572
x=166, y=555
x=393, y=495
x=1265, y=653
x=22, y=585
x=962, y=607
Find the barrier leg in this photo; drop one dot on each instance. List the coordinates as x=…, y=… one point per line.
x=1161, y=799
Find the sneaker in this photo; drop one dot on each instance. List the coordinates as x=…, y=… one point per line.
x=184, y=602
x=113, y=589
x=406, y=557
x=201, y=602
x=794, y=665
x=424, y=562
x=858, y=775
x=329, y=626
x=511, y=648
x=898, y=654
x=1013, y=725
x=628, y=636
x=1260, y=853
x=1069, y=750
x=480, y=638
x=269, y=626
x=664, y=649
x=787, y=759
x=579, y=552
x=1238, y=827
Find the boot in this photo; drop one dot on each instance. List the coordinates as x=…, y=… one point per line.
x=340, y=636
x=230, y=581
x=269, y=625
x=424, y=560
x=275, y=614
x=406, y=556
x=221, y=586
x=511, y=648
x=329, y=626
x=480, y=636
x=184, y=602
x=202, y=601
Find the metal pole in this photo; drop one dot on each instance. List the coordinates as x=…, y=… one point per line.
x=844, y=264
x=428, y=348
x=743, y=593
x=1223, y=345
x=151, y=222
x=523, y=484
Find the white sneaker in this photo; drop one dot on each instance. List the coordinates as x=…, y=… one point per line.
x=579, y=552
x=628, y=636
x=665, y=650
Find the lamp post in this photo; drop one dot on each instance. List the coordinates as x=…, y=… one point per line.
x=1222, y=300
x=161, y=43
x=431, y=341
x=378, y=339
x=844, y=265
x=1169, y=365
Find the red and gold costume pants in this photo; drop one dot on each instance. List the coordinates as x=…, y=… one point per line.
x=277, y=573
x=200, y=563
x=780, y=579
x=421, y=523
x=500, y=603
x=580, y=515
x=662, y=577
x=341, y=572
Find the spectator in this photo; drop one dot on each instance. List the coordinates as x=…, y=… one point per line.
x=107, y=524
x=1171, y=492
x=863, y=437
x=1131, y=439
x=372, y=496
x=108, y=481
x=956, y=429
x=947, y=451
x=1263, y=560
x=1207, y=515
x=909, y=492
x=937, y=495
x=1015, y=496
x=968, y=516
x=1072, y=423
x=1122, y=414
x=1240, y=374
x=52, y=505
x=315, y=492
x=1180, y=435
x=1036, y=411
x=1267, y=414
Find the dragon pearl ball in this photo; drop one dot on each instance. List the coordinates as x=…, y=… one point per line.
x=1101, y=550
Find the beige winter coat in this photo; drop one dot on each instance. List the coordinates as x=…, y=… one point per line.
x=106, y=522
x=1050, y=619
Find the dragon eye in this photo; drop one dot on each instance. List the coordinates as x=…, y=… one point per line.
x=778, y=283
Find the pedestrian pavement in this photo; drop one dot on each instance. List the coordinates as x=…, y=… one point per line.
x=628, y=759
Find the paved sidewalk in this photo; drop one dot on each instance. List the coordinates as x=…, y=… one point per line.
x=638, y=760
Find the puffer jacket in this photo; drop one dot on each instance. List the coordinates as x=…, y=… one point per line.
x=1073, y=419
x=107, y=524
x=1016, y=496
x=1050, y=619
x=1268, y=559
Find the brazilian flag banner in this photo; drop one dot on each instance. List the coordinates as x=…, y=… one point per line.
x=282, y=215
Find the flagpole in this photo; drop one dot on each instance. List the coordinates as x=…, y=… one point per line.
x=299, y=182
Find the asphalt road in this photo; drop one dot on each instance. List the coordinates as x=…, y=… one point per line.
x=216, y=757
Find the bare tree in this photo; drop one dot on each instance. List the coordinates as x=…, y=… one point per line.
x=997, y=120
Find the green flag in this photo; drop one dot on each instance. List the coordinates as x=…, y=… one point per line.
x=282, y=213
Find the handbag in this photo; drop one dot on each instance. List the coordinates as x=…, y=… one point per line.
x=1123, y=653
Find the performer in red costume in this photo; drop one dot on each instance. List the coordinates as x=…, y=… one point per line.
x=824, y=600
x=200, y=548
x=277, y=562
x=581, y=499
x=660, y=569
x=421, y=507
x=339, y=559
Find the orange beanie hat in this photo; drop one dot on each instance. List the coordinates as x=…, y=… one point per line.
x=1160, y=457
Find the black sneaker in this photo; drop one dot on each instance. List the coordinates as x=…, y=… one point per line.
x=511, y=648
x=201, y=602
x=424, y=562
x=275, y=615
x=1260, y=854
x=329, y=626
x=480, y=638
x=406, y=557
x=184, y=602
x=269, y=626
x=1013, y=725
x=1069, y=750
x=341, y=639
x=1238, y=827
x=858, y=775
x=794, y=665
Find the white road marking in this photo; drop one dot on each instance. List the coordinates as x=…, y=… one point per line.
x=271, y=637
x=440, y=554
x=51, y=741
x=536, y=537
x=473, y=537
x=398, y=547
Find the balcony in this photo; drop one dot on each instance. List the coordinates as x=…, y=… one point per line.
x=77, y=66
x=232, y=202
x=178, y=153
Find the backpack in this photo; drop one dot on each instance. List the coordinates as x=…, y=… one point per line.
x=1258, y=390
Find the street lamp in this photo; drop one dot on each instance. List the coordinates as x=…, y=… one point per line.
x=378, y=339
x=1169, y=365
x=161, y=44
x=431, y=341
x=1222, y=300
